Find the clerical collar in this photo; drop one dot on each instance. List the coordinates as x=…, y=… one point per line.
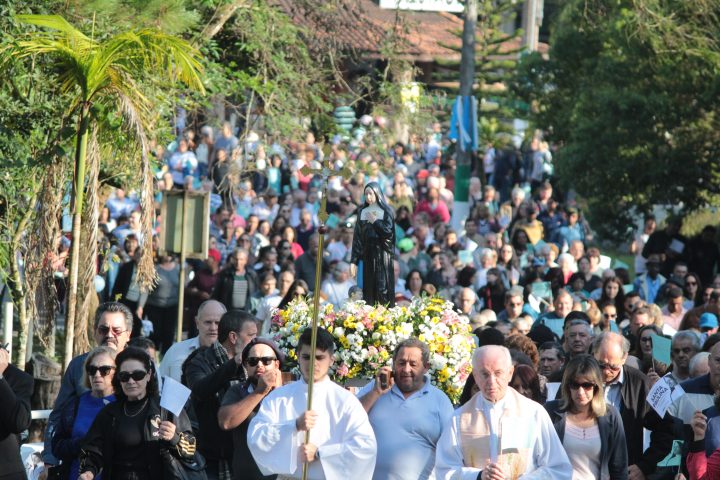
x=485, y=403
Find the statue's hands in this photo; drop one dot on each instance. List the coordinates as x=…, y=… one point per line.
x=371, y=217
x=353, y=270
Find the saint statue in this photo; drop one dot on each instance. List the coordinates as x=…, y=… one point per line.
x=374, y=246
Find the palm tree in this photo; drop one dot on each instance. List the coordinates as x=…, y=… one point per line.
x=110, y=72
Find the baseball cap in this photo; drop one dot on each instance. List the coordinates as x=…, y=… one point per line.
x=708, y=320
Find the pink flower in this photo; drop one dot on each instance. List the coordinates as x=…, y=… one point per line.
x=342, y=370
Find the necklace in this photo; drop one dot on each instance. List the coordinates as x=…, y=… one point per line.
x=142, y=407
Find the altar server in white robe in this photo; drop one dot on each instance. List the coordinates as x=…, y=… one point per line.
x=499, y=434
x=342, y=442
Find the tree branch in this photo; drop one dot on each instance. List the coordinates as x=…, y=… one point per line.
x=220, y=17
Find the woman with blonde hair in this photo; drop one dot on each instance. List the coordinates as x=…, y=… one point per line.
x=590, y=429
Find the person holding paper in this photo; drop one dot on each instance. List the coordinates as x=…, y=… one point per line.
x=342, y=443
x=499, y=434
x=626, y=389
x=77, y=416
x=128, y=437
x=374, y=245
x=590, y=430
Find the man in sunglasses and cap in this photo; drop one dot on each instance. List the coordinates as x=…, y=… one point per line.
x=262, y=361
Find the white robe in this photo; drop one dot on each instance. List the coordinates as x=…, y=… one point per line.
x=343, y=435
x=548, y=460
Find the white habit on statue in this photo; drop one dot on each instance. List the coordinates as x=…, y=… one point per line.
x=345, y=440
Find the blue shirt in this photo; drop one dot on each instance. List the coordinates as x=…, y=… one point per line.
x=407, y=430
x=87, y=410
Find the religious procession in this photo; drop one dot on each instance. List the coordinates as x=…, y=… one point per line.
x=359, y=240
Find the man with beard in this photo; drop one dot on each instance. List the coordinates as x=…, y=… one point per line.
x=262, y=360
x=407, y=414
x=112, y=327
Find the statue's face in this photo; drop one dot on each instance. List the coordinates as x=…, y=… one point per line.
x=370, y=196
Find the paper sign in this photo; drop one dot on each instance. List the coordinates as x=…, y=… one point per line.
x=660, y=397
x=673, y=458
x=465, y=257
x=677, y=246
x=661, y=349
x=604, y=262
x=677, y=392
x=332, y=221
x=541, y=289
x=628, y=288
x=174, y=396
x=552, y=390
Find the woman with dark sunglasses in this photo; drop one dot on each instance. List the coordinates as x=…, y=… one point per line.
x=590, y=429
x=77, y=416
x=129, y=438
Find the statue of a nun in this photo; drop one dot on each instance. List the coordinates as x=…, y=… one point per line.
x=374, y=245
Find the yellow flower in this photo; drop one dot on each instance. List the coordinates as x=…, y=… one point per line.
x=344, y=341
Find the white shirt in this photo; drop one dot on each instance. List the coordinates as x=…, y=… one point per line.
x=407, y=431
x=171, y=365
x=548, y=461
x=343, y=435
x=337, y=292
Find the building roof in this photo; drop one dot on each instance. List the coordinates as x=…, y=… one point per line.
x=365, y=27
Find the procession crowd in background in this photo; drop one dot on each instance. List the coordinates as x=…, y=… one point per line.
x=565, y=332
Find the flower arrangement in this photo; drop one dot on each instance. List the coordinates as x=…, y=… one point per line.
x=366, y=337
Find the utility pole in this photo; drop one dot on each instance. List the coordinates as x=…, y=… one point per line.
x=461, y=206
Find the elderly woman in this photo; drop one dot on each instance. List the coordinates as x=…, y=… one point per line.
x=336, y=288
x=77, y=416
x=128, y=439
x=590, y=429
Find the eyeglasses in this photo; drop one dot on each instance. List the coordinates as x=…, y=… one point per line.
x=104, y=370
x=607, y=366
x=253, y=361
x=607, y=315
x=685, y=350
x=104, y=330
x=584, y=386
x=136, y=375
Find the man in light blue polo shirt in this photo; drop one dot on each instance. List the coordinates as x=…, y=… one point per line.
x=407, y=413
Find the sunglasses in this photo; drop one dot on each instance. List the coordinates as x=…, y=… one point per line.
x=685, y=350
x=136, y=375
x=607, y=315
x=103, y=369
x=584, y=386
x=105, y=330
x=607, y=366
x=253, y=361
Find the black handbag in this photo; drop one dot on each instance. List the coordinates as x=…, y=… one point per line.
x=177, y=468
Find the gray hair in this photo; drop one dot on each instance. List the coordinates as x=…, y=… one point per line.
x=414, y=342
x=480, y=353
x=611, y=337
x=96, y=352
x=114, y=307
x=694, y=338
x=695, y=361
x=576, y=322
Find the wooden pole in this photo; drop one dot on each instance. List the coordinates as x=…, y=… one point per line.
x=183, y=248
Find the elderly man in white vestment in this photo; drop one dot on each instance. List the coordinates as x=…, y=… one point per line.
x=342, y=443
x=500, y=434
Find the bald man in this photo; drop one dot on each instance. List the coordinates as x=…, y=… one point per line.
x=519, y=438
x=207, y=321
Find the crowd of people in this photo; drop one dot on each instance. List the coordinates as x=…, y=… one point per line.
x=565, y=334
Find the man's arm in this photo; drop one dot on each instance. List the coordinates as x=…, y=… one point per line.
x=15, y=393
x=204, y=383
x=550, y=457
x=235, y=411
x=371, y=392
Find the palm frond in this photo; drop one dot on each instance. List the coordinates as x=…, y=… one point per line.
x=59, y=24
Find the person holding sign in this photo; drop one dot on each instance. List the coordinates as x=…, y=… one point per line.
x=128, y=437
x=590, y=429
x=374, y=245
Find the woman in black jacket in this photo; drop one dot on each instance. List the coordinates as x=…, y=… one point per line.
x=129, y=438
x=590, y=429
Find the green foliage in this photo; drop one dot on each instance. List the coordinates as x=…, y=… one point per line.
x=631, y=92
x=495, y=63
